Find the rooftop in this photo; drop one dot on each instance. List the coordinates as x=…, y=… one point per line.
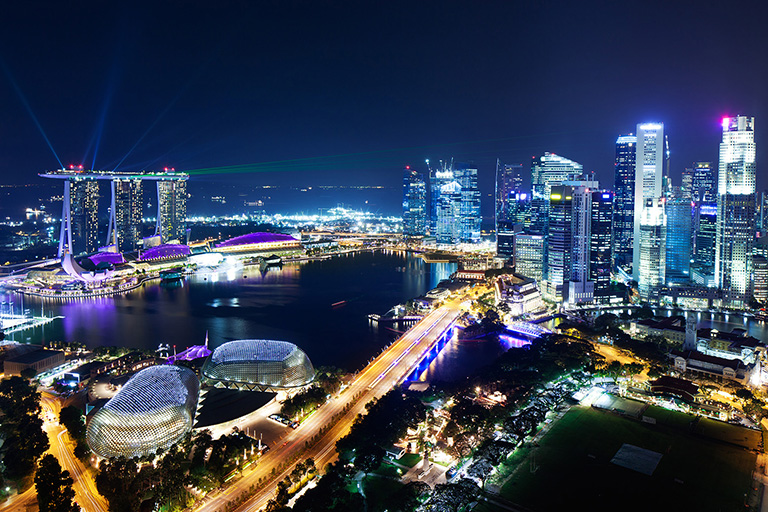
x=34, y=356
x=257, y=238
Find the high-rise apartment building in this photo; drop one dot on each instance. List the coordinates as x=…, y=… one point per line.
x=126, y=214
x=736, y=222
x=81, y=199
x=414, y=203
x=546, y=171
x=172, y=208
x=624, y=209
x=650, y=160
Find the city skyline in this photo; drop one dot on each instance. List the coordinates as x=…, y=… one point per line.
x=159, y=93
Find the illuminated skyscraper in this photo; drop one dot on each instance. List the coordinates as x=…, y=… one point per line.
x=624, y=210
x=703, y=267
x=560, y=239
x=703, y=182
x=172, y=208
x=650, y=162
x=126, y=213
x=529, y=256
x=678, y=244
x=509, y=182
x=469, y=215
x=448, y=223
x=439, y=176
x=546, y=171
x=414, y=203
x=81, y=199
x=736, y=211
x=651, y=244
x=600, y=243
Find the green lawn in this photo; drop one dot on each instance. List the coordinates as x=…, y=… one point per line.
x=409, y=459
x=695, y=473
x=728, y=433
x=378, y=489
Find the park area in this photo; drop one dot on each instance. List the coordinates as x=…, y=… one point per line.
x=584, y=461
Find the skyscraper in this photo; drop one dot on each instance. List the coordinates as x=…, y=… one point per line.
x=624, y=210
x=83, y=197
x=439, y=175
x=560, y=238
x=125, y=227
x=546, y=171
x=414, y=203
x=736, y=210
x=469, y=215
x=703, y=268
x=509, y=181
x=651, y=153
x=651, y=246
x=448, y=223
x=172, y=207
x=600, y=243
x=678, y=245
x=529, y=256
x=703, y=183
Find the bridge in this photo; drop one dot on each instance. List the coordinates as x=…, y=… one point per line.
x=390, y=367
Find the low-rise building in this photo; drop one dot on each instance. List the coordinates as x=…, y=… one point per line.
x=696, y=363
x=521, y=294
x=672, y=328
x=730, y=345
x=39, y=360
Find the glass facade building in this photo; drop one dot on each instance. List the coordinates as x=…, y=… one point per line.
x=258, y=365
x=154, y=410
x=172, y=208
x=414, y=203
x=736, y=220
x=546, y=171
x=624, y=210
x=529, y=255
x=678, y=250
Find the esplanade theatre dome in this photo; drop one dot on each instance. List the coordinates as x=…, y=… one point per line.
x=258, y=365
x=154, y=410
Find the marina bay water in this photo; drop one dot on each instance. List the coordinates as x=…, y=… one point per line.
x=320, y=305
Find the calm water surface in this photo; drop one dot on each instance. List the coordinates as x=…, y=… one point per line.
x=294, y=304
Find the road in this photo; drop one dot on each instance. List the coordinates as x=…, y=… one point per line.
x=62, y=448
x=372, y=382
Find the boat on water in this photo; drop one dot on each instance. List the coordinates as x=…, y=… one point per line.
x=273, y=260
x=171, y=274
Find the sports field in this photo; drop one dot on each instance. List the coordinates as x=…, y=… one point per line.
x=571, y=468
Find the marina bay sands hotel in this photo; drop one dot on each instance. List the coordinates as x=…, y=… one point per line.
x=80, y=215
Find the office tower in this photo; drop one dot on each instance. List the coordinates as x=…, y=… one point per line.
x=469, y=213
x=546, y=171
x=529, y=255
x=624, y=210
x=703, y=267
x=509, y=181
x=505, y=238
x=448, y=223
x=414, y=203
x=559, y=246
x=172, y=208
x=762, y=212
x=81, y=205
x=686, y=185
x=678, y=245
x=439, y=175
x=651, y=244
x=520, y=209
x=651, y=152
x=601, y=243
x=735, y=211
x=126, y=214
x=703, y=182
x=580, y=286
x=760, y=265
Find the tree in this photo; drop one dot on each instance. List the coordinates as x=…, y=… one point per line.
x=368, y=458
x=118, y=483
x=28, y=373
x=21, y=427
x=54, y=487
x=73, y=420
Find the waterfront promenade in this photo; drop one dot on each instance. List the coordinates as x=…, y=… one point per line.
x=378, y=377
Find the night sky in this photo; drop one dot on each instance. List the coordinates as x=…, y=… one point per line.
x=349, y=92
